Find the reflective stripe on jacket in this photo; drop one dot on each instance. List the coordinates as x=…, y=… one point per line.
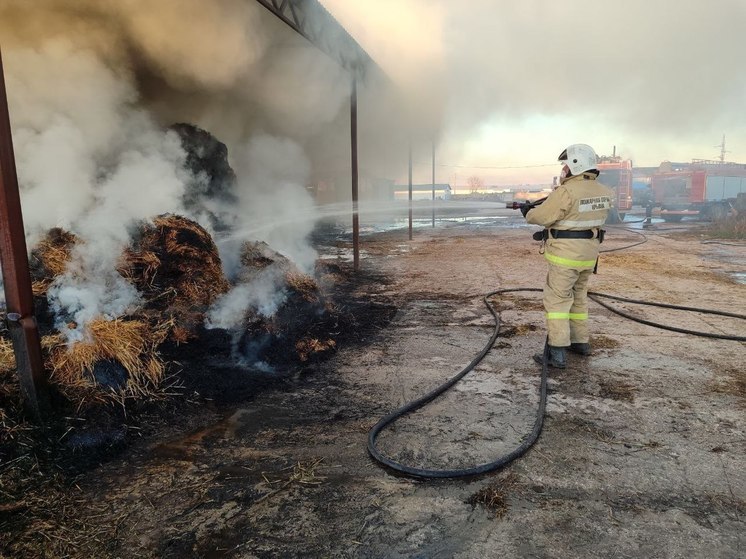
x=578, y=204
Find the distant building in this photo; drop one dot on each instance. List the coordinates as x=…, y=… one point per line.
x=422, y=191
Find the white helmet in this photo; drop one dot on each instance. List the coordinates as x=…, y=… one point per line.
x=579, y=158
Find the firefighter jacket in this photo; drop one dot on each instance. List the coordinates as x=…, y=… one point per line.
x=580, y=204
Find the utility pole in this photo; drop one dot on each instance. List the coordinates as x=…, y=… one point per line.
x=723, y=151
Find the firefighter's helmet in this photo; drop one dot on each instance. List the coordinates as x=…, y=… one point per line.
x=579, y=158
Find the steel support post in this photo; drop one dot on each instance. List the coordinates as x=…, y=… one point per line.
x=19, y=297
x=433, y=183
x=410, y=190
x=354, y=167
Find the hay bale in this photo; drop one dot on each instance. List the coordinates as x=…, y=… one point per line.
x=7, y=357
x=302, y=327
x=257, y=256
x=112, y=346
x=214, y=179
x=175, y=264
x=49, y=258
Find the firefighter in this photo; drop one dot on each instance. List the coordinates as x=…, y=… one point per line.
x=573, y=216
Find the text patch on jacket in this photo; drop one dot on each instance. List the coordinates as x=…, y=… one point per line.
x=593, y=204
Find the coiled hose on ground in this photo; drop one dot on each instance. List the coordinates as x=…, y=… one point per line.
x=533, y=436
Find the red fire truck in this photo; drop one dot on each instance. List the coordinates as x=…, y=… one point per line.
x=616, y=173
x=706, y=189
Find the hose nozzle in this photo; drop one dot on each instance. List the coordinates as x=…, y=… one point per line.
x=527, y=204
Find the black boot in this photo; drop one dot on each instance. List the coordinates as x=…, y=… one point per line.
x=556, y=357
x=581, y=348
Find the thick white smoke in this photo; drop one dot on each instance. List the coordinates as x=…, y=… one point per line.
x=93, y=86
x=260, y=295
x=273, y=172
x=89, y=161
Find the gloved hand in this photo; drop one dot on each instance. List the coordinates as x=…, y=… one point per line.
x=525, y=208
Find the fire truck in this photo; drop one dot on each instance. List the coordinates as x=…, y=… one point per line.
x=616, y=173
x=705, y=189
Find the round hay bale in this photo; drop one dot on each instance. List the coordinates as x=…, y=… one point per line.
x=214, y=179
x=302, y=327
x=120, y=355
x=175, y=264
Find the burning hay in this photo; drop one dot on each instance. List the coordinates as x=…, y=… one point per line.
x=215, y=180
x=120, y=355
x=50, y=257
x=258, y=256
x=175, y=264
x=302, y=320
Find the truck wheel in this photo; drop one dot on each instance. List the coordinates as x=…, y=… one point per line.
x=672, y=218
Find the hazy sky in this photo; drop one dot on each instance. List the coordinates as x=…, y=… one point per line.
x=511, y=83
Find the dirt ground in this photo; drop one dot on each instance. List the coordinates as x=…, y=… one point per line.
x=642, y=453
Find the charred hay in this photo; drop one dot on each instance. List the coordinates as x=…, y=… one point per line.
x=213, y=178
x=304, y=324
x=49, y=258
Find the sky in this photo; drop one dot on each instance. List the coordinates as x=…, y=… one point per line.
x=510, y=84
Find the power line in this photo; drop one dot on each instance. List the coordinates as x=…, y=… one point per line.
x=488, y=166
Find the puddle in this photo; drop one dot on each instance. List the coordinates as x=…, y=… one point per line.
x=184, y=448
x=732, y=255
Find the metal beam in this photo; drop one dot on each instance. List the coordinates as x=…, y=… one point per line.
x=311, y=20
x=19, y=298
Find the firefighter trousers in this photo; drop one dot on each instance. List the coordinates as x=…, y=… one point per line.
x=566, y=305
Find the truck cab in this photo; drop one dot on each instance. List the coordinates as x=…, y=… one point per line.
x=706, y=190
x=616, y=173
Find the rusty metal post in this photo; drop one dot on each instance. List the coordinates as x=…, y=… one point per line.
x=353, y=145
x=19, y=297
x=410, y=189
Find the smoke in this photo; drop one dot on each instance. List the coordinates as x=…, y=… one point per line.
x=260, y=294
x=92, y=162
x=92, y=89
x=512, y=83
x=272, y=198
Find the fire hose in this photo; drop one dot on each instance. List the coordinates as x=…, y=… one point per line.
x=532, y=437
